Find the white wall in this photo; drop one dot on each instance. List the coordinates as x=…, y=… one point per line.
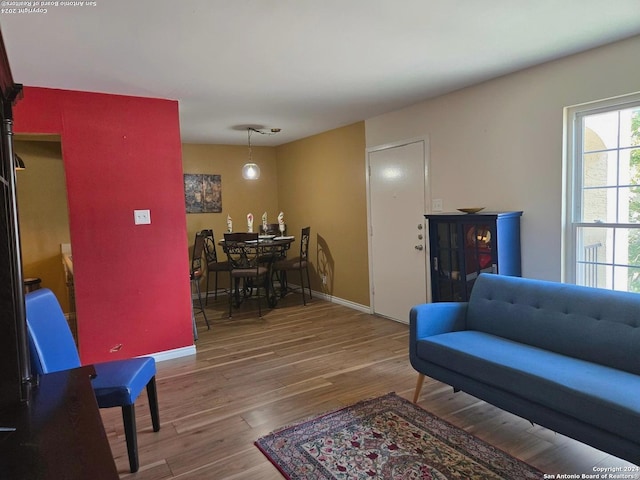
x=499, y=144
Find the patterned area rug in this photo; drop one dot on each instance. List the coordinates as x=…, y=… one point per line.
x=387, y=438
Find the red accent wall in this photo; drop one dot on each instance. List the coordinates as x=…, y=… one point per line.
x=121, y=153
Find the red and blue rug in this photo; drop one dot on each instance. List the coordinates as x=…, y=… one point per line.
x=387, y=438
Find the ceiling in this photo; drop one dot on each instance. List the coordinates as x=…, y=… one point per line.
x=305, y=66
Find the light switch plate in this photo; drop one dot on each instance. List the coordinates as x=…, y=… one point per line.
x=436, y=205
x=142, y=217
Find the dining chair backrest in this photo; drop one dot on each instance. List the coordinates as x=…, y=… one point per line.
x=51, y=343
x=299, y=264
x=209, y=246
x=242, y=249
x=304, y=243
x=198, y=250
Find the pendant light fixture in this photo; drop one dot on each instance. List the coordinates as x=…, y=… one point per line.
x=251, y=170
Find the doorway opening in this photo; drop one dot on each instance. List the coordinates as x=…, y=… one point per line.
x=44, y=217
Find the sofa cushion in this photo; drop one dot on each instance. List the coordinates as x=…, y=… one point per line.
x=592, y=324
x=602, y=396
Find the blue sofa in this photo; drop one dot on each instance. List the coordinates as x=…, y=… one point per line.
x=562, y=356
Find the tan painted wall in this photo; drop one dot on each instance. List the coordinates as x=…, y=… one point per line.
x=322, y=184
x=239, y=196
x=318, y=182
x=44, y=214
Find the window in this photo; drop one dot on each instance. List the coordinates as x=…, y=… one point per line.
x=602, y=234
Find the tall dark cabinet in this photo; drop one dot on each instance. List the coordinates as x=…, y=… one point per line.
x=462, y=246
x=14, y=360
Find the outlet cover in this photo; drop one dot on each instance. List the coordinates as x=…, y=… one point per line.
x=142, y=217
x=437, y=205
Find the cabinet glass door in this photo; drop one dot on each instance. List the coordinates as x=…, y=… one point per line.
x=447, y=263
x=464, y=246
x=479, y=251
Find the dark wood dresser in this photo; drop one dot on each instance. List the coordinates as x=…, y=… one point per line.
x=58, y=432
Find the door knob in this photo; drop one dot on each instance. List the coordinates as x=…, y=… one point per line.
x=419, y=247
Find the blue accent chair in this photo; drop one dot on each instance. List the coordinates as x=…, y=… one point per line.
x=117, y=383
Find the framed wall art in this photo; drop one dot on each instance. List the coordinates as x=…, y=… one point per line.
x=203, y=193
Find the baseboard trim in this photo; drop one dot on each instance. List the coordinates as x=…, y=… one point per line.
x=342, y=301
x=322, y=295
x=175, y=353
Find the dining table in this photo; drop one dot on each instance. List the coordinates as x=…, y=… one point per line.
x=268, y=248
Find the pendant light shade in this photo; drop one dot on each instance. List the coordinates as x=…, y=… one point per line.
x=251, y=171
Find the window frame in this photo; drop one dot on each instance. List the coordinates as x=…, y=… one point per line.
x=572, y=178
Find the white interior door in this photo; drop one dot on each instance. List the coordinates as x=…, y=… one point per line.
x=398, y=237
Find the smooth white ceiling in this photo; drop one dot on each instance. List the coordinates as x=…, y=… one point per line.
x=305, y=66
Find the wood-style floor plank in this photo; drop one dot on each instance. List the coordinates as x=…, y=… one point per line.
x=253, y=375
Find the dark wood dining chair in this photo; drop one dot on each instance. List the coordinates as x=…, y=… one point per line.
x=214, y=266
x=299, y=264
x=244, y=254
x=197, y=272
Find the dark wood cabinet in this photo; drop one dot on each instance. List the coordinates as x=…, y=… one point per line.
x=57, y=433
x=462, y=246
x=15, y=371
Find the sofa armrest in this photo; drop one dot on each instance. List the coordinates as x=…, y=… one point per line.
x=428, y=319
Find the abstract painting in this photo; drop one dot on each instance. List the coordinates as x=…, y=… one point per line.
x=203, y=193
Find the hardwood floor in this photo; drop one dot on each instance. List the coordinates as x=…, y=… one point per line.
x=252, y=376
